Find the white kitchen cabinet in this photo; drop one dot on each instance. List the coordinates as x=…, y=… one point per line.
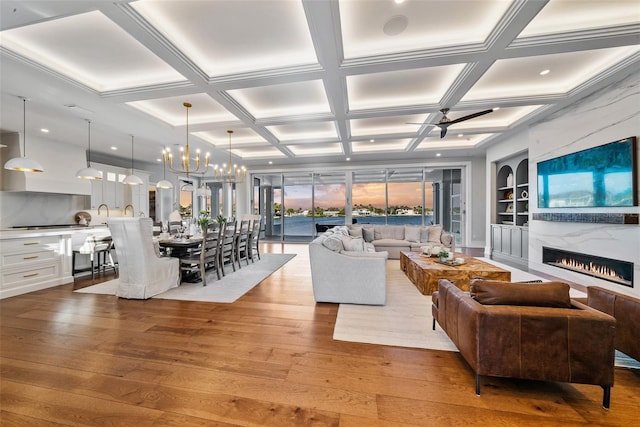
x=140, y=195
x=112, y=192
x=33, y=262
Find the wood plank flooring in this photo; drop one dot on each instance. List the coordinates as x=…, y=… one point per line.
x=266, y=360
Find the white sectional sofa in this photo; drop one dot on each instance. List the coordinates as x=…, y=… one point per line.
x=345, y=269
x=396, y=238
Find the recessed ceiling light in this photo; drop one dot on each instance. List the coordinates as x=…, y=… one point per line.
x=544, y=72
x=44, y=130
x=438, y=154
x=348, y=159
x=158, y=160
x=372, y=140
x=460, y=135
x=496, y=108
x=114, y=148
x=270, y=162
x=398, y=1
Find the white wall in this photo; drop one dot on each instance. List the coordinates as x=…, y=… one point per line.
x=476, y=212
x=608, y=115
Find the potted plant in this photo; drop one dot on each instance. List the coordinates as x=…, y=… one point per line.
x=203, y=221
x=221, y=219
x=444, y=255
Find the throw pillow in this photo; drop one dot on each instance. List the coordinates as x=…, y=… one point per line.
x=434, y=233
x=355, y=231
x=495, y=292
x=333, y=242
x=341, y=229
x=353, y=244
x=424, y=234
x=367, y=234
x=412, y=234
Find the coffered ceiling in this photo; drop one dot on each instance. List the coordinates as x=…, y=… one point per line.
x=306, y=82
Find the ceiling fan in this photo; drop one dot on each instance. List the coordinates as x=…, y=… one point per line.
x=445, y=122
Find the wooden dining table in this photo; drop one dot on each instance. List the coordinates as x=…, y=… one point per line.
x=179, y=245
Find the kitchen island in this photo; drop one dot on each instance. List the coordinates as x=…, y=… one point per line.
x=34, y=259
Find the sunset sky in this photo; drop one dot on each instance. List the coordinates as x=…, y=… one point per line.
x=333, y=195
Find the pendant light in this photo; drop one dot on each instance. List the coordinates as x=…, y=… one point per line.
x=89, y=172
x=24, y=164
x=132, y=179
x=164, y=183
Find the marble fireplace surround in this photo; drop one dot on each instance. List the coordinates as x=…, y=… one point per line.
x=608, y=115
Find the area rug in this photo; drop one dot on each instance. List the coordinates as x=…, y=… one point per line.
x=226, y=290
x=405, y=321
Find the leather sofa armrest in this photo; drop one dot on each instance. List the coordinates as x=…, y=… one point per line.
x=626, y=310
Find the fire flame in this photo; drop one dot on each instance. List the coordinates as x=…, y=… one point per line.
x=592, y=268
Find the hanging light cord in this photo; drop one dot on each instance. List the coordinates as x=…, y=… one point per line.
x=24, y=125
x=131, y=154
x=89, y=156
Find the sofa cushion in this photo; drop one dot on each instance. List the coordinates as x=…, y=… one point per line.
x=412, y=234
x=391, y=243
x=355, y=231
x=367, y=234
x=495, y=292
x=424, y=234
x=354, y=244
x=333, y=242
x=388, y=232
x=435, y=231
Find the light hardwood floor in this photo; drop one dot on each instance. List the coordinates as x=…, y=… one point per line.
x=268, y=359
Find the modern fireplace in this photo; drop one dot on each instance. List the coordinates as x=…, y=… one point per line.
x=613, y=270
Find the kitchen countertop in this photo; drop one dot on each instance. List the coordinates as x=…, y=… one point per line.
x=17, y=233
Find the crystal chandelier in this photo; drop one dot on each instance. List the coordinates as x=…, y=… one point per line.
x=185, y=156
x=228, y=172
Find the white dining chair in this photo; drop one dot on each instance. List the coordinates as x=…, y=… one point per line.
x=143, y=273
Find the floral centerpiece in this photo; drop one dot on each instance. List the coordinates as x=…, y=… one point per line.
x=204, y=220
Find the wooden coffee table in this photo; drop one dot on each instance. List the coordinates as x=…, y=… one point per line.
x=424, y=272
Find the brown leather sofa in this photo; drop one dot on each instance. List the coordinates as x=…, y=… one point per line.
x=626, y=310
x=529, y=331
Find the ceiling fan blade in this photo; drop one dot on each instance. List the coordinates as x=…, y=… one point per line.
x=428, y=124
x=470, y=116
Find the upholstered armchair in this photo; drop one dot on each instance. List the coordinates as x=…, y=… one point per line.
x=528, y=331
x=143, y=273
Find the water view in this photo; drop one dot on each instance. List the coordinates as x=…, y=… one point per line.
x=302, y=225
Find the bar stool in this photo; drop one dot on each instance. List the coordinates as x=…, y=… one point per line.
x=99, y=252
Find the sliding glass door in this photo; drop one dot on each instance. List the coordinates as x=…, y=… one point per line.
x=297, y=205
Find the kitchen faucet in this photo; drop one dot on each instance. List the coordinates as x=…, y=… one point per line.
x=124, y=213
x=100, y=207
